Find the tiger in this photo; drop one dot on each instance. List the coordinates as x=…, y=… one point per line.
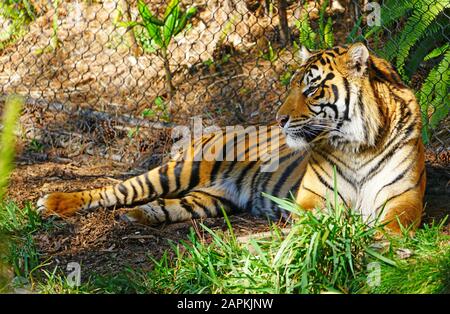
x=348, y=123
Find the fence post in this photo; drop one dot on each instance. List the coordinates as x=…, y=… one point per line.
x=284, y=27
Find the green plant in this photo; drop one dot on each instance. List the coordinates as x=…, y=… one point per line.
x=353, y=36
x=324, y=251
x=19, y=13
x=55, y=282
x=285, y=78
x=11, y=114
x=425, y=269
x=423, y=38
x=433, y=95
x=270, y=54
x=133, y=132
x=13, y=107
x=160, y=32
x=161, y=110
x=36, y=146
x=54, y=42
x=17, y=226
x=311, y=39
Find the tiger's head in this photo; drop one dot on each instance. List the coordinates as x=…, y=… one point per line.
x=331, y=99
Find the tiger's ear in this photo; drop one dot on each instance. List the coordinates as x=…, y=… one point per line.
x=304, y=54
x=358, y=56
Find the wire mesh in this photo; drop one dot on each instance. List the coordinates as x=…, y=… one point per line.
x=97, y=86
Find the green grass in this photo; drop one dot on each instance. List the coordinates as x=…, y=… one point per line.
x=17, y=226
x=325, y=251
x=428, y=268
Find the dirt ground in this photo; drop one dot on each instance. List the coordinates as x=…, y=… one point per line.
x=66, y=149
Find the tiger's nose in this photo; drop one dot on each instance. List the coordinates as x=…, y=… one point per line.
x=282, y=120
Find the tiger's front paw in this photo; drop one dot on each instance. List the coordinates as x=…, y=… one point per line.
x=60, y=204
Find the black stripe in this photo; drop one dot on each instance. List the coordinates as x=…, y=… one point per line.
x=266, y=174
x=338, y=171
x=401, y=193
x=225, y=202
x=215, y=171
x=363, y=115
x=204, y=145
x=162, y=203
x=394, y=143
x=311, y=191
x=141, y=184
x=335, y=92
x=123, y=190
x=335, y=161
x=397, y=178
x=390, y=76
x=194, y=178
x=188, y=207
x=347, y=104
x=347, y=99
x=332, y=106
x=379, y=165
x=253, y=190
x=243, y=174
x=102, y=199
x=133, y=196
x=90, y=200
x=107, y=197
x=266, y=178
x=208, y=140
x=249, y=147
x=148, y=183
x=296, y=186
x=322, y=180
x=284, y=176
x=163, y=179
x=199, y=204
x=177, y=173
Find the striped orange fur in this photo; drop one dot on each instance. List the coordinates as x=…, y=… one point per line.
x=346, y=110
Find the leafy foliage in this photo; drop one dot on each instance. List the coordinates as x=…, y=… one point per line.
x=17, y=13
x=423, y=38
x=311, y=39
x=160, y=108
x=434, y=94
x=160, y=32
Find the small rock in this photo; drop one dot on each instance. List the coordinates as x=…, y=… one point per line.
x=403, y=253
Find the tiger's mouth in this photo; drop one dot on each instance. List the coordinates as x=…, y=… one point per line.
x=306, y=133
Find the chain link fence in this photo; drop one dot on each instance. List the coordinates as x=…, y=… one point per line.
x=99, y=81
